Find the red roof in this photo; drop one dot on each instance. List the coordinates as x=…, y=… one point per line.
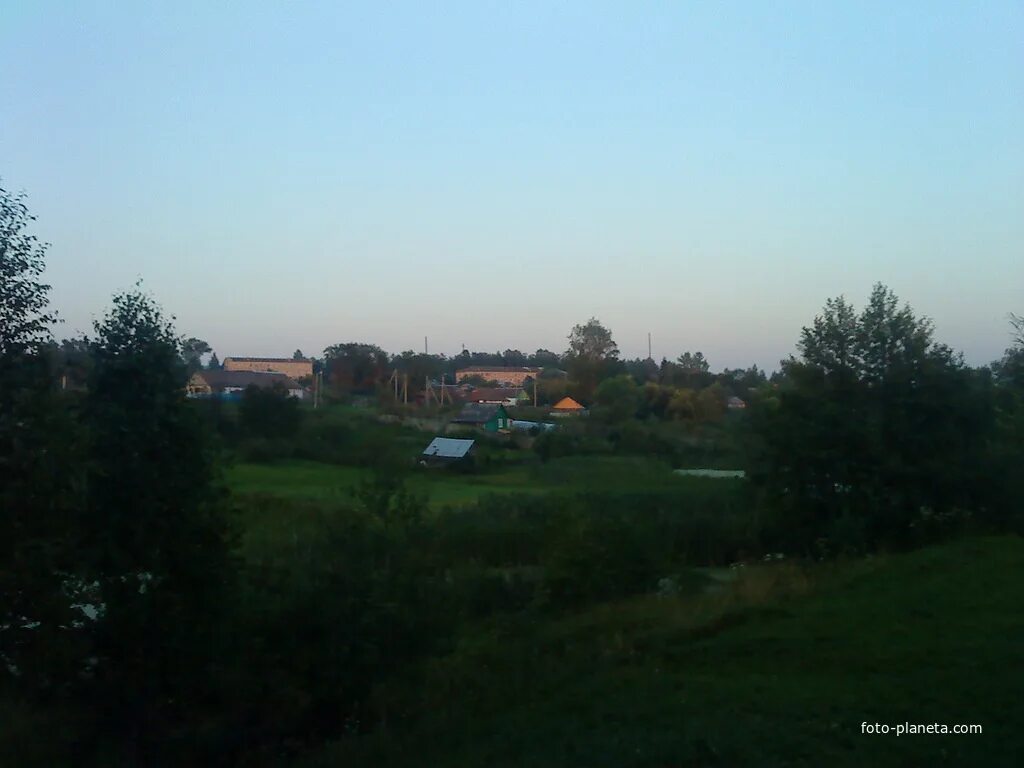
x=567, y=404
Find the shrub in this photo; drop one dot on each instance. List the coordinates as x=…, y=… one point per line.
x=270, y=413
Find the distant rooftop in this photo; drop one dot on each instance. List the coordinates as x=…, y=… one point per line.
x=476, y=413
x=501, y=369
x=567, y=404
x=268, y=359
x=218, y=379
x=448, y=448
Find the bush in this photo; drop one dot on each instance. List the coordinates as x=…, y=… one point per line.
x=333, y=599
x=269, y=413
x=573, y=549
x=568, y=440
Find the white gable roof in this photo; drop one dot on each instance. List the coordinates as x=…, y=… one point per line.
x=448, y=448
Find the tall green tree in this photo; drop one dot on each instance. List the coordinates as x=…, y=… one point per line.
x=693, y=362
x=741, y=381
x=24, y=318
x=691, y=370
x=192, y=351
x=544, y=358
x=38, y=485
x=355, y=367
x=513, y=358
x=592, y=341
x=419, y=368
x=591, y=356
x=154, y=534
x=1017, y=324
x=876, y=431
x=1009, y=443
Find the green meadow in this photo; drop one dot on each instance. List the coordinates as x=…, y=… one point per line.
x=310, y=480
x=777, y=667
x=775, y=663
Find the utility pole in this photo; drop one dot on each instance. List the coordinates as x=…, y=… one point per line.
x=426, y=349
x=649, y=355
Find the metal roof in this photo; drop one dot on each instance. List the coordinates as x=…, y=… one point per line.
x=218, y=379
x=268, y=359
x=448, y=448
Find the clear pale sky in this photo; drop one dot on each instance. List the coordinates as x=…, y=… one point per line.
x=293, y=175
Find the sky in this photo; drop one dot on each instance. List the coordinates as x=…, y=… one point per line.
x=293, y=175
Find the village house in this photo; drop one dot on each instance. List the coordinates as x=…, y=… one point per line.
x=506, y=376
x=296, y=369
x=567, y=407
x=485, y=416
x=231, y=384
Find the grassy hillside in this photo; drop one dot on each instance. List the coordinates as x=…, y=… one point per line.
x=777, y=667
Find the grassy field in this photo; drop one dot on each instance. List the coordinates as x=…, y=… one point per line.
x=313, y=480
x=779, y=668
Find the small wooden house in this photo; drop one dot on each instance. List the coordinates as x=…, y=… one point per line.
x=486, y=416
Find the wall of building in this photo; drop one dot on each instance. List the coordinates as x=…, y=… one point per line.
x=295, y=369
x=506, y=378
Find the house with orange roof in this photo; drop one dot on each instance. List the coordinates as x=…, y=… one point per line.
x=567, y=407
